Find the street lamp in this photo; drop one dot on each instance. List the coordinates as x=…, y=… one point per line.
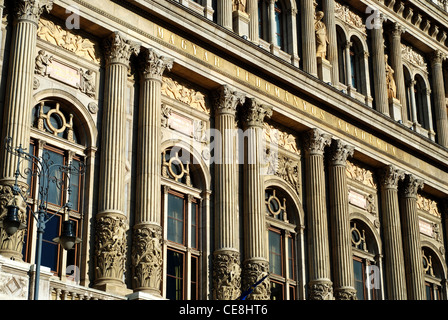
x=47, y=172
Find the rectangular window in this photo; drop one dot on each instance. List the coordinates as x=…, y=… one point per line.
x=54, y=190
x=175, y=275
x=75, y=185
x=275, y=253
x=359, y=279
x=176, y=218
x=50, y=249
x=276, y=291
x=194, y=278
x=292, y=273
x=194, y=224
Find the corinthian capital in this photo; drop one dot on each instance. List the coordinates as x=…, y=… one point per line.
x=340, y=152
x=119, y=50
x=31, y=9
x=411, y=185
x=315, y=141
x=154, y=64
x=390, y=176
x=254, y=113
x=437, y=56
x=227, y=100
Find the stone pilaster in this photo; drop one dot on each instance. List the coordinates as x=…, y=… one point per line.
x=18, y=99
x=393, y=249
x=256, y=264
x=379, y=69
x=147, y=240
x=340, y=222
x=332, y=49
x=439, y=98
x=309, y=59
x=225, y=8
x=226, y=263
x=412, y=248
x=397, y=65
x=320, y=285
x=112, y=224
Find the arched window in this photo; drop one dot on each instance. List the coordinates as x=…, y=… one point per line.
x=282, y=246
x=356, y=53
x=421, y=101
x=365, y=266
x=433, y=275
x=342, y=42
x=182, y=223
x=56, y=136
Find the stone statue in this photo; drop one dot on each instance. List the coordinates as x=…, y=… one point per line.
x=321, y=36
x=239, y=5
x=391, y=86
x=43, y=60
x=87, y=85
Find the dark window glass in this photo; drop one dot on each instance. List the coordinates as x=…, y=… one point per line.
x=54, y=190
x=194, y=225
x=275, y=253
x=175, y=275
x=359, y=279
x=194, y=278
x=276, y=291
x=50, y=249
x=175, y=218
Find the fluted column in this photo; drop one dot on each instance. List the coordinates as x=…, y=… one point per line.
x=340, y=222
x=348, y=65
x=308, y=37
x=332, y=49
x=226, y=263
x=393, y=249
x=379, y=69
x=397, y=65
x=256, y=263
x=412, y=247
x=147, y=236
x=320, y=285
x=252, y=11
x=111, y=222
x=225, y=8
x=438, y=90
x=17, y=114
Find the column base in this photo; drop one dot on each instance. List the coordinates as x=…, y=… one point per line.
x=321, y=289
x=253, y=271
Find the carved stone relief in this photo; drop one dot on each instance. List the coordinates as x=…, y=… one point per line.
x=428, y=205
x=226, y=275
x=180, y=92
x=413, y=57
x=360, y=174
x=56, y=35
x=352, y=19
x=280, y=138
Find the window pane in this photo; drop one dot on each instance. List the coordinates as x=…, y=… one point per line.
x=175, y=218
x=175, y=274
x=428, y=291
x=194, y=278
x=74, y=186
x=54, y=192
x=275, y=253
x=359, y=279
x=50, y=248
x=276, y=291
x=291, y=258
x=194, y=208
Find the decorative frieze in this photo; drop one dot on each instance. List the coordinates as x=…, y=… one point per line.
x=77, y=44
x=362, y=175
x=226, y=275
x=428, y=205
x=185, y=94
x=280, y=138
x=413, y=57
x=344, y=13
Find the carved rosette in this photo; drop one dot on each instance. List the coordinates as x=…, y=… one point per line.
x=147, y=257
x=340, y=152
x=254, y=271
x=11, y=246
x=31, y=10
x=321, y=290
x=411, y=186
x=119, y=50
x=315, y=141
x=110, y=251
x=226, y=275
x=390, y=176
x=153, y=64
x=254, y=113
x=227, y=100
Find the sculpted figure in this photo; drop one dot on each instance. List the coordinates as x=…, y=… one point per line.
x=321, y=36
x=42, y=62
x=391, y=86
x=239, y=5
